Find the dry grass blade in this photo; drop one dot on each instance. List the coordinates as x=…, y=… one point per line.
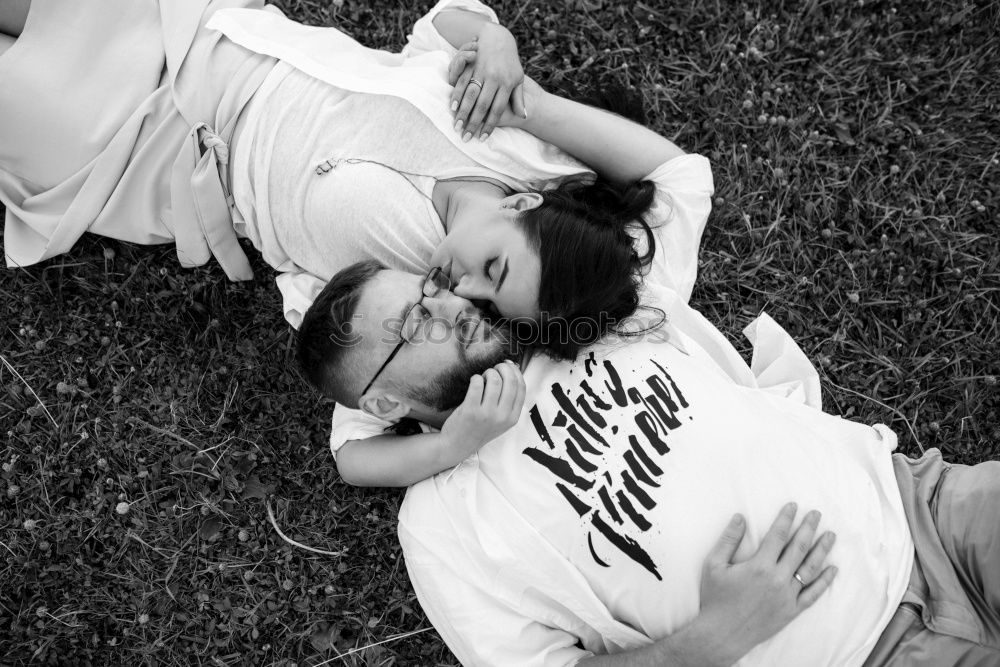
x=368, y=646
x=274, y=524
x=41, y=403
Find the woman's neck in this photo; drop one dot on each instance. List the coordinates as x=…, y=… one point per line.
x=449, y=195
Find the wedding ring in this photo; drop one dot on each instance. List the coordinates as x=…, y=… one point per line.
x=476, y=82
x=798, y=578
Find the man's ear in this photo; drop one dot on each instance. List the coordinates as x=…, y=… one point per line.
x=521, y=201
x=385, y=406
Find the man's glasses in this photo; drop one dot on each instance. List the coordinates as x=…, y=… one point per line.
x=435, y=282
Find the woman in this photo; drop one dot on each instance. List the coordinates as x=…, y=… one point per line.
x=318, y=175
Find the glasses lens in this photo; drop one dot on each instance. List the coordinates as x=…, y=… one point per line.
x=436, y=281
x=413, y=324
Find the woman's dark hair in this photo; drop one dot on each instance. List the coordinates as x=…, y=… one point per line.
x=585, y=235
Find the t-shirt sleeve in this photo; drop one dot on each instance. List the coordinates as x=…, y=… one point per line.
x=298, y=290
x=351, y=424
x=684, y=189
x=480, y=629
x=425, y=36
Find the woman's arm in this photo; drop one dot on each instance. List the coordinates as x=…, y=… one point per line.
x=486, y=73
x=616, y=148
x=491, y=406
x=398, y=460
x=460, y=26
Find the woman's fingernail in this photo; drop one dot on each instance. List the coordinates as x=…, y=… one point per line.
x=737, y=519
x=467, y=136
x=484, y=137
x=454, y=106
x=458, y=125
x=829, y=539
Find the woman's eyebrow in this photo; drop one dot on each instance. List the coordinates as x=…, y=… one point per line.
x=503, y=274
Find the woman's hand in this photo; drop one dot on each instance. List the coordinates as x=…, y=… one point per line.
x=487, y=77
x=747, y=602
x=492, y=405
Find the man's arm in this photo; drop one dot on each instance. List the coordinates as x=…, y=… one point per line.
x=742, y=603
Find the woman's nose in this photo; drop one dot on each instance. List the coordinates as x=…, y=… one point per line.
x=469, y=287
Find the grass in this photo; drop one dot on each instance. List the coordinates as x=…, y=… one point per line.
x=151, y=416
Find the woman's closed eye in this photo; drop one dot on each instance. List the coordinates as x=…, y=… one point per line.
x=487, y=266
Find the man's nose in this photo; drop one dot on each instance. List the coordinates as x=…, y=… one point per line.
x=449, y=306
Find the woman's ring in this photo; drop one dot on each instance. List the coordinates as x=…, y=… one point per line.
x=798, y=578
x=475, y=82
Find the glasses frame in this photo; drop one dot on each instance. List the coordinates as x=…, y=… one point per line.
x=429, y=279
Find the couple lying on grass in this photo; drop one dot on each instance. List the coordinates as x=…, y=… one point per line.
x=609, y=506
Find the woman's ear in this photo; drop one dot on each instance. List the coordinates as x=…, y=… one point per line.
x=385, y=406
x=521, y=201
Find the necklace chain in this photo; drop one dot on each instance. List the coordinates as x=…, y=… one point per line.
x=327, y=166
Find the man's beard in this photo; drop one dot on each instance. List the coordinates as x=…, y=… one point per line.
x=448, y=389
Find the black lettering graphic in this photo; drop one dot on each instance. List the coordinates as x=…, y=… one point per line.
x=644, y=457
x=667, y=401
x=560, y=395
x=638, y=519
x=597, y=474
x=577, y=457
x=599, y=403
x=543, y=433
x=594, y=416
x=581, y=440
x=581, y=507
x=637, y=491
x=647, y=425
x=638, y=470
x=593, y=552
x=559, y=468
x=627, y=545
x=680, y=396
x=614, y=385
x=602, y=493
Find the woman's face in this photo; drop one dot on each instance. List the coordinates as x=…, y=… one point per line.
x=488, y=258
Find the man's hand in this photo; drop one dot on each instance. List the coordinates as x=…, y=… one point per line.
x=749, y=601
x=487, y=77
x=492, y=405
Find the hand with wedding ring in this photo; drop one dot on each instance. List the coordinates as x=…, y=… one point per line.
x=749, y=600
x=488, y=78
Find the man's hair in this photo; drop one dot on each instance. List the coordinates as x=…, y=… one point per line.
x=327, y=334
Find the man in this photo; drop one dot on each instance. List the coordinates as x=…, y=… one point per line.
x=582, y=530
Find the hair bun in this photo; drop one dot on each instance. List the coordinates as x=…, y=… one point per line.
x=619, y=204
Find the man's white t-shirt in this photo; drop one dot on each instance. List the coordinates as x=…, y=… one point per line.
x=626, y=466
